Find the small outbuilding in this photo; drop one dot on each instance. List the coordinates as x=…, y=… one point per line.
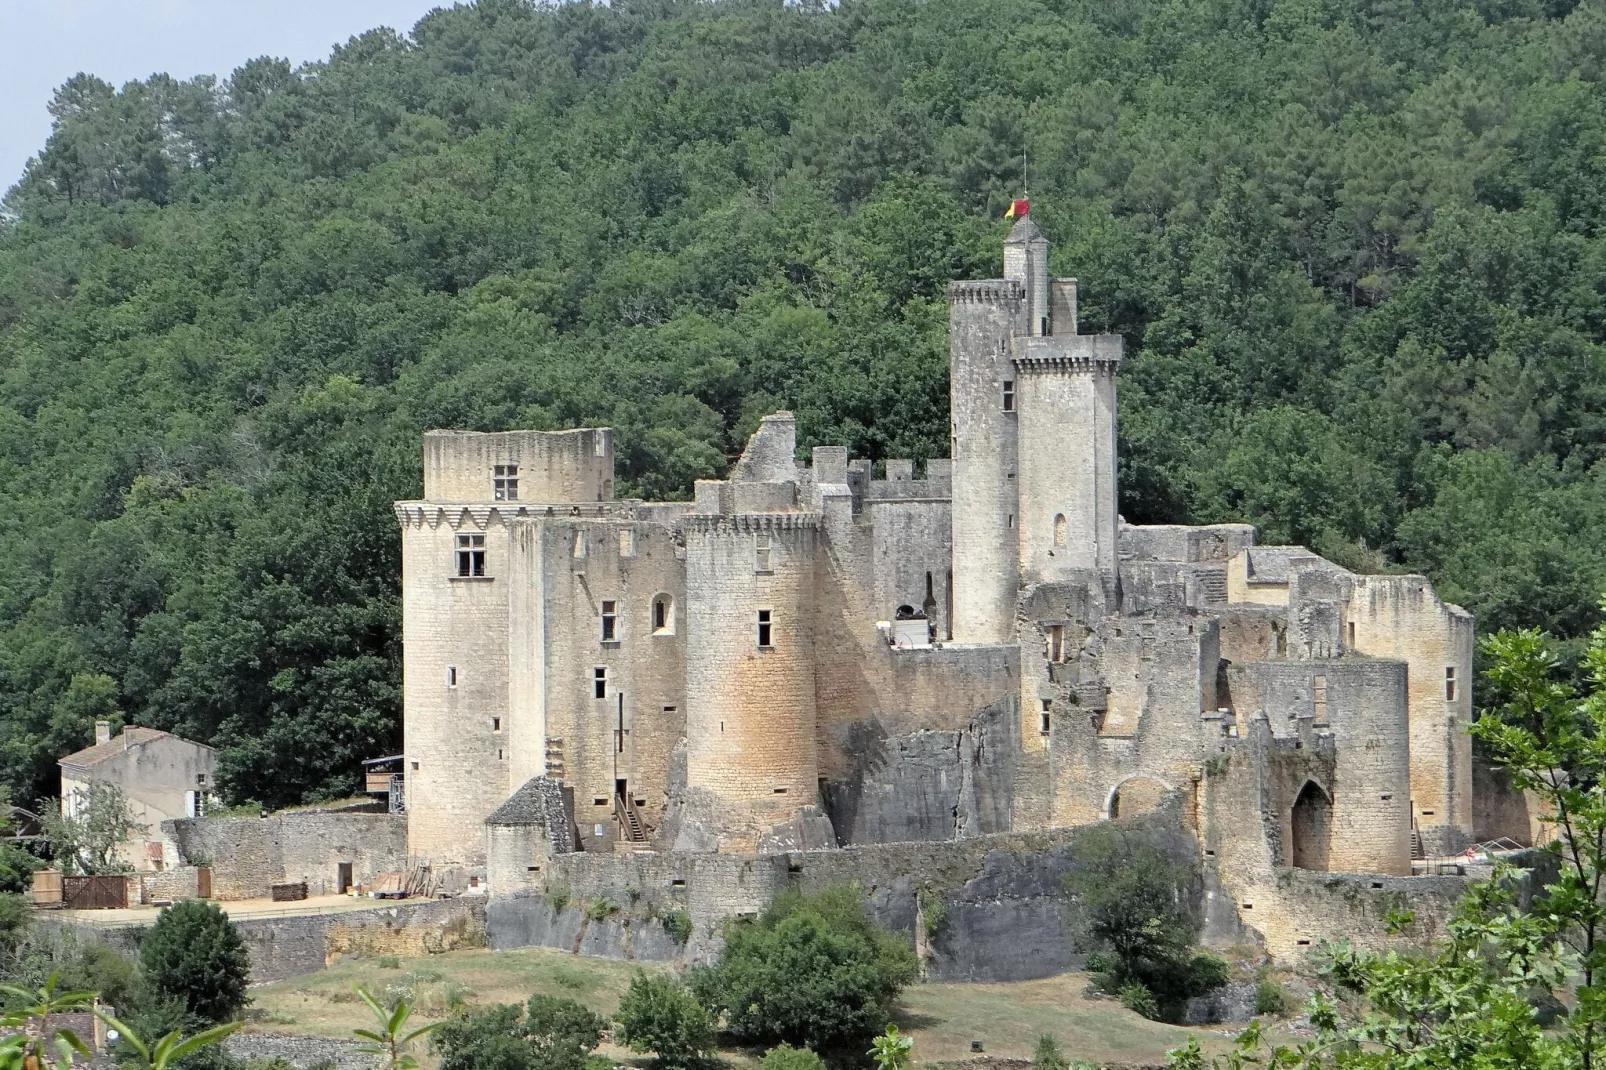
x=163, y=776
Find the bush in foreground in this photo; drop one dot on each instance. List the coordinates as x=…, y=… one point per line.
x=659, y=1014
x=812, y=971
x=194, y=955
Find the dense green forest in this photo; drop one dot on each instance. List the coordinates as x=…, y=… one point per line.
x=1357, y=247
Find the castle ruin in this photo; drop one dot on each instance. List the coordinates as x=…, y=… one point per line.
x=806, y=656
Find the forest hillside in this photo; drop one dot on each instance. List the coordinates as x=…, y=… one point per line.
x=1357, y=248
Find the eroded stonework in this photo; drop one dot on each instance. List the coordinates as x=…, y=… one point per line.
x=807, y=654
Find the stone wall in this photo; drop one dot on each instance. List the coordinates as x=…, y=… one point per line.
x=1005, y=913
x=290, y=945
x=247, y=854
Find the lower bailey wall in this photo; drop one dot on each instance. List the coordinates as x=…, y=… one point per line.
x=1004, y=913
x=290, y=945
x=248, y=854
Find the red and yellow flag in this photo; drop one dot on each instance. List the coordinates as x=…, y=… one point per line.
x=1018, y=208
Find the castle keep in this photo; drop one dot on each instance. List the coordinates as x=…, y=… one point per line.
x=807, y=656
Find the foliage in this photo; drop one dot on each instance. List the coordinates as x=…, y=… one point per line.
x=934, y=909
x=1471, y=999
x=550, y=1034
x=660, y=1014
x=811, y=971
x=891, y=1050
x=35, y=1042
x=601, y=908
x=786, y=1057
x=1355, y=249
x=169, y=1051
x=86, y=840
x=17, y=867
x=1271, y=998
x=1132, y=899
x=1047, y=1056
x=390, y=1040
x=677, y=923
x=1136, y=997
x=194, y=954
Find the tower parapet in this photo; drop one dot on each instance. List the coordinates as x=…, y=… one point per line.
x=1068, y=505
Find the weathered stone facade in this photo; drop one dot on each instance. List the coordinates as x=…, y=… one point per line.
x=981, y=647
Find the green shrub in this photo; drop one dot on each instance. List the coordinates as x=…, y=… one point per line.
x=1046, y=1056
x=659, y=1014
x=812, y=971
x=786, y=1057
x=1271, y=998
x=194, y=955
x=549, y=1033
x=17, y=868
x=598, y=909
x=934, y=908
x=1132, y=899
x=677, y=923
x=389, y=962
x=557, y=897
x=1136, y=997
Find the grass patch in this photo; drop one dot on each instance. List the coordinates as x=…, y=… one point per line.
x=943, y=1018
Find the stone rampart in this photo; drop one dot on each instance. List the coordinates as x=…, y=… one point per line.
x=248, y=854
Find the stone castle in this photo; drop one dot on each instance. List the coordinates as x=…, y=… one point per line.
x=807, y=656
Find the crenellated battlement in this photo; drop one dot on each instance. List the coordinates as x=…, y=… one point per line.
x=986, y=292
x=1068, y=353
x=745, y=523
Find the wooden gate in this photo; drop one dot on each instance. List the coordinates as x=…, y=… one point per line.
x=203, y=882
x=94, y=893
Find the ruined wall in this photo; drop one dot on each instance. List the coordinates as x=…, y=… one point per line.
x=554, y=466
x=927, y=784
x=1360, y=704
x=1128, y=702
x=247, y=854
x=1006, y=915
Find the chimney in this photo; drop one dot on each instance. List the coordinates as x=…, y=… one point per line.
x=103, y=732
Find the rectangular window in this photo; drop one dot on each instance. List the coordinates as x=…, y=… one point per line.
x=1056, y=642
x=610, y=622
x=505, y=483
x=764, y=625
x=1352, y=634
x=761, y=554
x=1009, y=395
x=1048, y=707
x=496, y=724
x=451, y=676
x=1449, y=683
x=471, y=555
x=599, y=681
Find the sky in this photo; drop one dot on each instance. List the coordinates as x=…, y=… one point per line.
x=45, y=42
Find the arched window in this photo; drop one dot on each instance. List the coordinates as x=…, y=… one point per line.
x=663, y=615
x=1059, y=529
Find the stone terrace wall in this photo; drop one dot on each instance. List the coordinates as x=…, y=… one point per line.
x=289, y=945
x=1006, y=916
x=247, y=854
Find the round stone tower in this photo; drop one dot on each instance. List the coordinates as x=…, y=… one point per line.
x=750, y=712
